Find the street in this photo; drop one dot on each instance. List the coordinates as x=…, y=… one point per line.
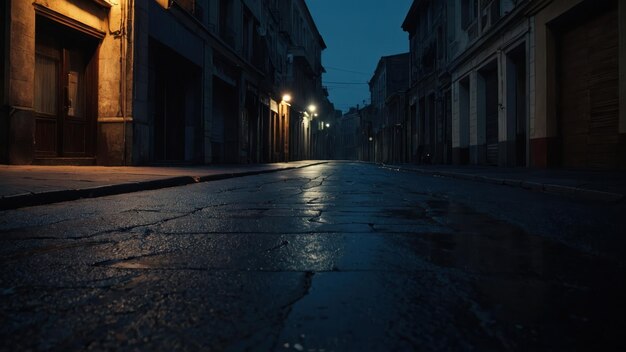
x=333, y=257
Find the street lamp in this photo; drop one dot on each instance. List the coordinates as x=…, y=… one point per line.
x=312, y=108
x=327, y=125
x=286, y=98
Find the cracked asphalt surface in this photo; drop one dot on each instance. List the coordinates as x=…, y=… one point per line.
x=333, y=257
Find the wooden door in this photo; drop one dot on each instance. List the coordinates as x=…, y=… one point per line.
x=64, y=96
x=47, y=99
x=74, y=112
x=588, y=72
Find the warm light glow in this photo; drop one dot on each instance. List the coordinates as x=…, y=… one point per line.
x=286, y=98
x=315, y=115
x=312, y=108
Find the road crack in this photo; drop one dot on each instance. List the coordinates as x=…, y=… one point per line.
x=288, y=307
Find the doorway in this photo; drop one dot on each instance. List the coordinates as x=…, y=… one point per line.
x=448, y=127
x=588, y=71
x=431, y=129
x=225, y=134
x=464, y=121
x=176, y=104
x=516, y=106
x=65, y=91
x=421, y=125
x=488, y=111
x=413, y=141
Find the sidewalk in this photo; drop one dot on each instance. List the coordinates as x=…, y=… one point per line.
x=28, y=185
x=607, y=186
x=22, y=186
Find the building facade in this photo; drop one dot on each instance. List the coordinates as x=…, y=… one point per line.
x=158, y=81
x=349, y=140
x=577, y=87
x=304, y=78
x=488, y=63
x=387, y=88
x=366, y=138
x=428, y=99
x=518, y=83
x=61, y=95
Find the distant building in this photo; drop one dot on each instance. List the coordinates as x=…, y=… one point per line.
x=366, y=149
x=323, y=127
x=388, y=115
x=157, y=81
x=350, y=135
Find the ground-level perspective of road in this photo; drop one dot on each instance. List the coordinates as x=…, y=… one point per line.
x=331, y=257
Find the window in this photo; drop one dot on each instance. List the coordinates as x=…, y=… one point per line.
x=468, y=12
x=46, y=75
x=246, y=32
x=490, y=12
x=226, y=22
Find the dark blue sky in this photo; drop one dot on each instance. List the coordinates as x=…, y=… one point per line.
x=357, y=33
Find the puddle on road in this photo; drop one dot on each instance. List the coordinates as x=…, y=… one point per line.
x=482, y=244
x=148, y=261
x=531, y=288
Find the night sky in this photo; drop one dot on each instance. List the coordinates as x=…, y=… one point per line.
x=357, y=33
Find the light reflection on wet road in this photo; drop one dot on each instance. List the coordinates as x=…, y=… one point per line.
x=332, y=257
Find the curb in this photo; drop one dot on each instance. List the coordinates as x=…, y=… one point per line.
x=573, y=192
x=50, y=197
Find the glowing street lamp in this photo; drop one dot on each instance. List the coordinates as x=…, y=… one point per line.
x=327, y=125
x=312, y=108
x=286, y=98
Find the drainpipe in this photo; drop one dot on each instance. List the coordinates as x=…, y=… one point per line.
x=125, y=7
x=123, y=73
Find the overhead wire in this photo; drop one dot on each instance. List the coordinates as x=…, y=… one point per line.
x=346, y=70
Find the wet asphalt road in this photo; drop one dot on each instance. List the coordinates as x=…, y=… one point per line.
x=334, y=257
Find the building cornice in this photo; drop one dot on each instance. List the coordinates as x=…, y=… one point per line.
x=68, y=21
